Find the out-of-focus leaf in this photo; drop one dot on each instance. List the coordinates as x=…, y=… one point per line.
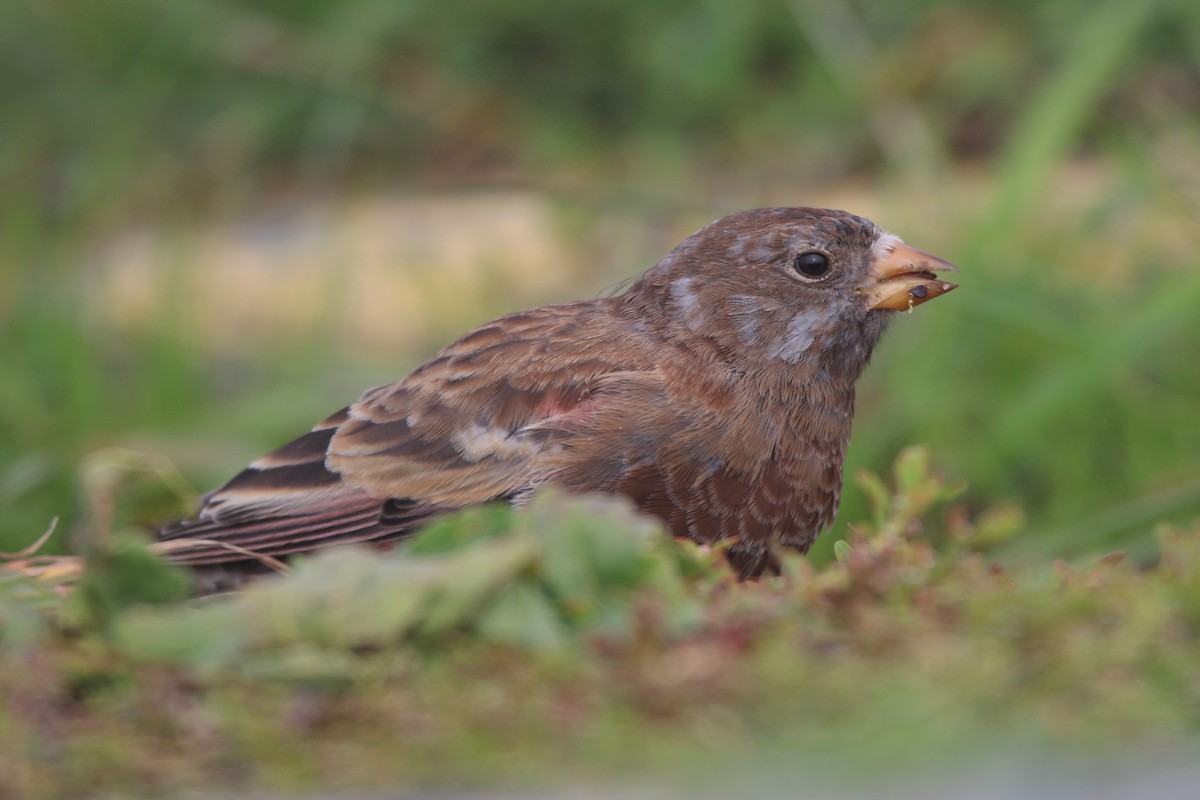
x=198, y=637
x=122, y=572
x=841, y=550
x=522, y=614
x=567, y=566
x=473, y=576
x=304, y=665
x=997, y=524
x=618, y=540
x=681, y=609
x=454, y=531
x=912, y=469
x=346, y=597
x=20, y=600
x=878, y=496
x=591, y=541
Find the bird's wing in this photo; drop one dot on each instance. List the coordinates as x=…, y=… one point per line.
x=477, y=422
x=284, y=503
x=486, y=417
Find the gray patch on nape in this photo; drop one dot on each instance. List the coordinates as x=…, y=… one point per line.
x=686, y=301
x=800, y=335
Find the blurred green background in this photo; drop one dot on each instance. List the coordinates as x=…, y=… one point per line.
x=220, y=221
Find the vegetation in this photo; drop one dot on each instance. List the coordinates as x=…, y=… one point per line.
x=573, y=641
x=190, y=194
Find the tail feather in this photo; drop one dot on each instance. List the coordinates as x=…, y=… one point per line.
x=288, y=502
x=281, y=536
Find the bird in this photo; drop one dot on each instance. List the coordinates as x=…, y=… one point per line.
x=716, y=393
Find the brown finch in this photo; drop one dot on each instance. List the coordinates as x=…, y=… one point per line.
x=716, y=393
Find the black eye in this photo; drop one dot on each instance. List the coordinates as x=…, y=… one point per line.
x=812, y=265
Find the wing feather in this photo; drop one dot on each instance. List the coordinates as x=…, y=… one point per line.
x=485, y=419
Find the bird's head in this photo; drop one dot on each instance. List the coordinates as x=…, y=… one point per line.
x=797, y=285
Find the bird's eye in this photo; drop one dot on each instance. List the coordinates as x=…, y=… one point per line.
x=812, y=265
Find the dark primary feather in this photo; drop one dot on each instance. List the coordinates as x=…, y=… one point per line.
x=716, y=392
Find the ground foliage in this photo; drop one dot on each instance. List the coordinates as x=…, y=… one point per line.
x=1049, y=149
x=571, y=640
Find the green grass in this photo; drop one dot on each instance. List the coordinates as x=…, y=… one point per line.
x=1040, y=380
x=1049, y=149
x=570, y=642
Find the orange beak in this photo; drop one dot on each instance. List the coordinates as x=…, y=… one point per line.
x=905, y=278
